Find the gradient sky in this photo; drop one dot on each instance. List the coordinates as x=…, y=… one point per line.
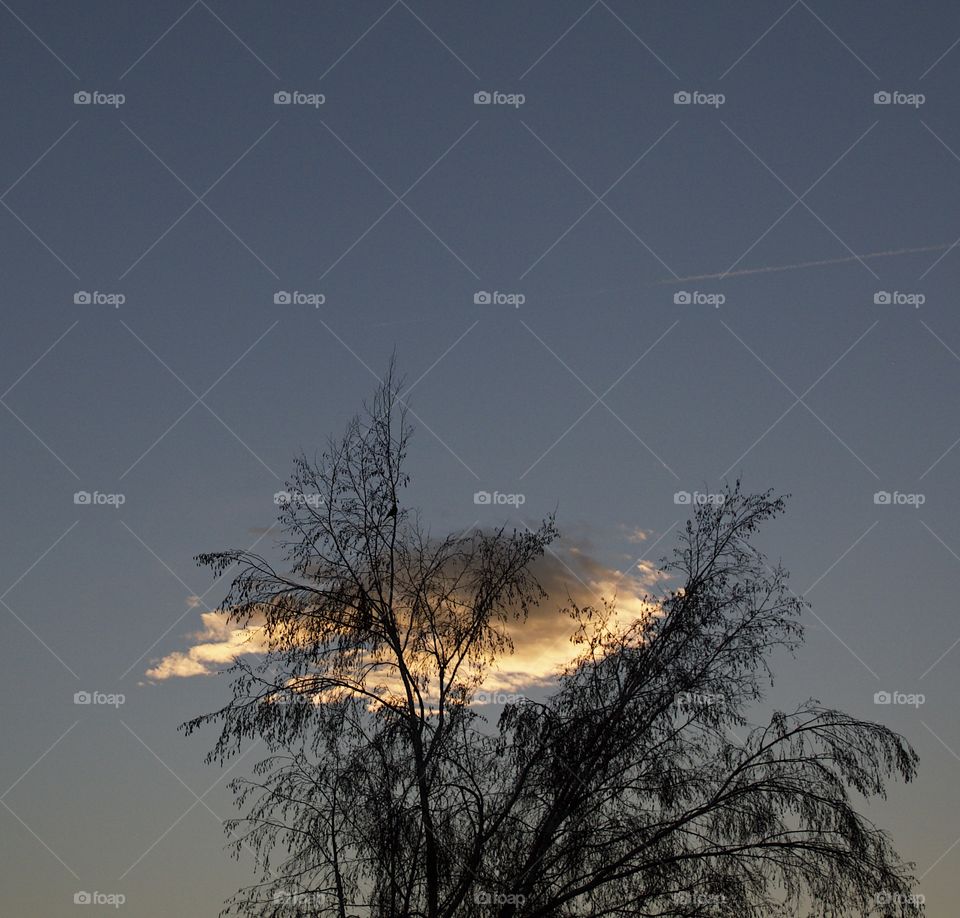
x=398, y=199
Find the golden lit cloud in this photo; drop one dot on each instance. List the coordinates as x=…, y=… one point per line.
x=542, y=644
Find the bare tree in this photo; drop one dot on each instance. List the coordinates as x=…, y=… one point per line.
x=636, y=788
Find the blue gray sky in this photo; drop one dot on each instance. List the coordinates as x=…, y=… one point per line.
x=621, y=149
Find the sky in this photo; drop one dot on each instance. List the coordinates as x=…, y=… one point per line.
x=668, y=244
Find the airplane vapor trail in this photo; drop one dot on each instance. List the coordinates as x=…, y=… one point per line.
x=769, y=269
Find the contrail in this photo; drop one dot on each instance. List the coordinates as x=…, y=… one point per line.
x=769, y=269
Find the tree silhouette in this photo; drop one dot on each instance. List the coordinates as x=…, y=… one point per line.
x=628, y=791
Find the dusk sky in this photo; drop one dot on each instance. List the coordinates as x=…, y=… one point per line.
x=201, y=279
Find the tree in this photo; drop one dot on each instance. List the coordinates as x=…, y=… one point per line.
x=628, y=791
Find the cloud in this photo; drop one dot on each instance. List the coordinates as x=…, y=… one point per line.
x=216, y=645
x=542, y=644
